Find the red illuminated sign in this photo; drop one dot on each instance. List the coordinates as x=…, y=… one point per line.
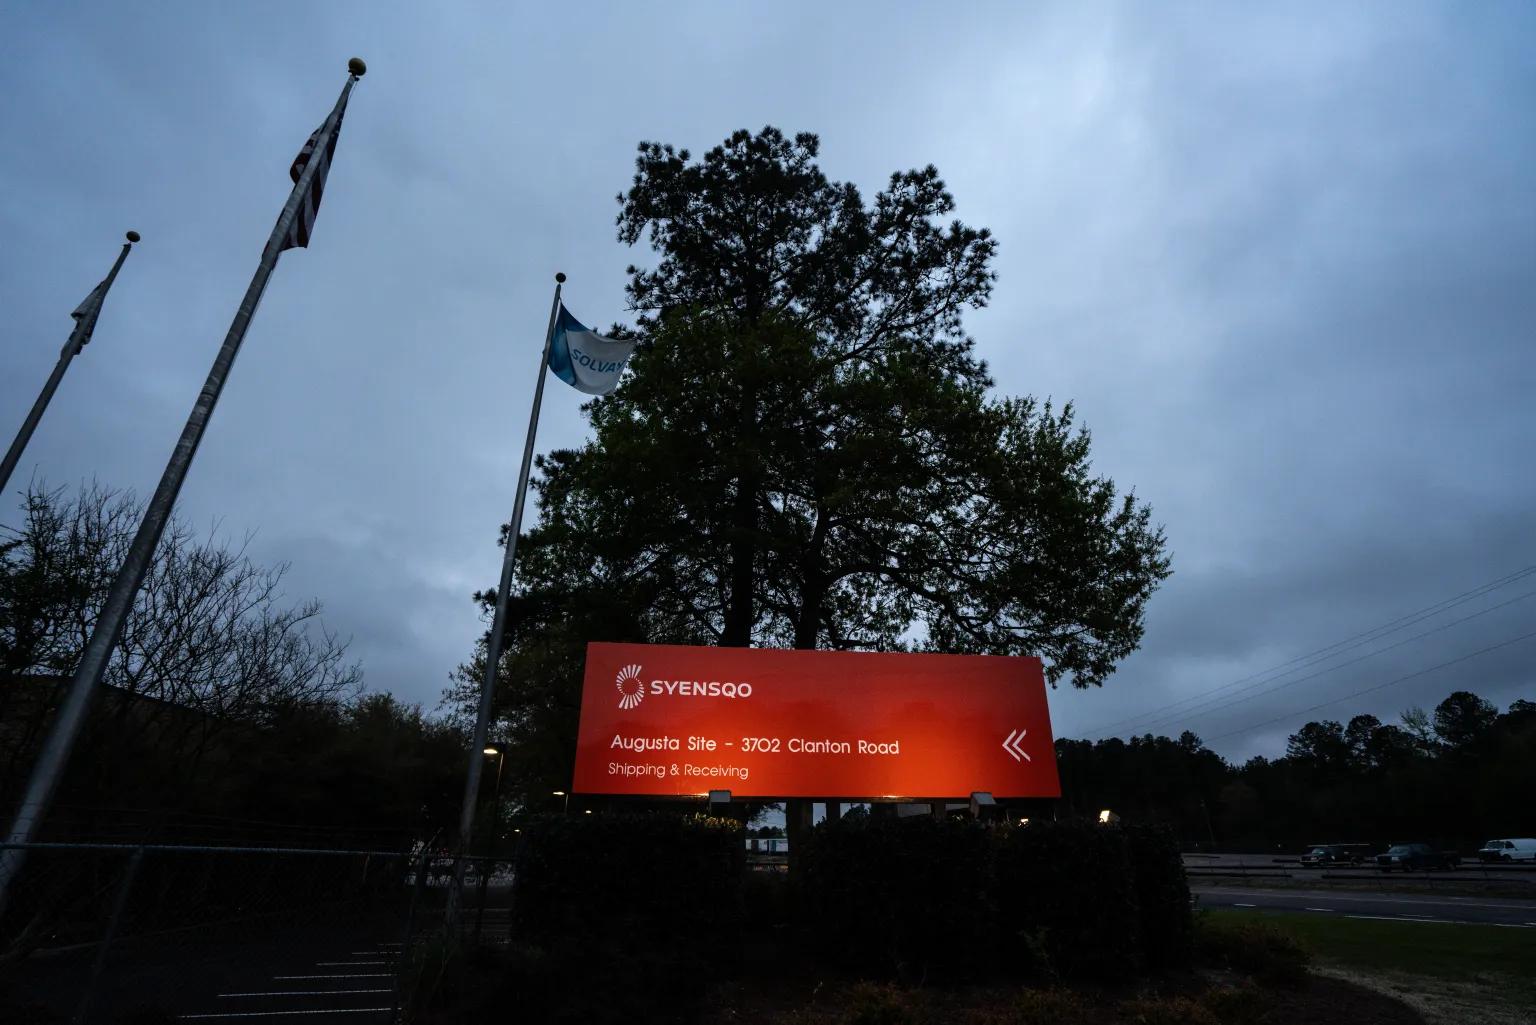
x=669, y=720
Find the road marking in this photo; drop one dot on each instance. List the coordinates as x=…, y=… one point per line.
x=351, y=964
x=304, y=992
x=1453, y=901
x=274, y=1014
x=1245, y=905
x=1318, y=909
x=1418, y=921
x=381, y=975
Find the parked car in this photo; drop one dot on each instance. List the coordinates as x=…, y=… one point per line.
x=1409, y=856
x=1523, y=849
x=1324, y=855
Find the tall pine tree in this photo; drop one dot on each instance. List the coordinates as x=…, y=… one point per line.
x=807, y=452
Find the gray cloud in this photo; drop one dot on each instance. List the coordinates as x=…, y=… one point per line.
x=1284, y=263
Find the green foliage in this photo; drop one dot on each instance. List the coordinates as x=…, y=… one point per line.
x=899, y=897
x=609, y=981
x=623, y=916
x=1035, y=1007
x=1162, y=897
x=1236, y=1005
x=1265, y=951
x=872, y=1003
x=806, y=454
x=1454, y=778
x=605, y=982
x=1463, y=720
x=1482, y=959
x=1071, y=882
x=667, y=881
x=1174, y=1010
x=915, y=897
x=227, y=714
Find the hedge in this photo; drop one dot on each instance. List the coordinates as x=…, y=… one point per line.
x=1162, y=896
x=905, y=897
x=652, y=881
x=899, y=897
x=1065, y=888
x=882, y=896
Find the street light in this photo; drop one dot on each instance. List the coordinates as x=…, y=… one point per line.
x=497, y=753
x=562, y=793
x=490, y=751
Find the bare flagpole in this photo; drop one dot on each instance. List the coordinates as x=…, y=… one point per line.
x=69, y=719
x=85, y=323
x=498, y=624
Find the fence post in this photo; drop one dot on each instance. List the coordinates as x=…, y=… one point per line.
x=119, y=903
x=485, y=882
x=410, y=923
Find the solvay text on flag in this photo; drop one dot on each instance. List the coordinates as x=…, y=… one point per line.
x=584, y=359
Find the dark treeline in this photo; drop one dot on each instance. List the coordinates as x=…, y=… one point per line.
x=1457, y=775
x=229, y=715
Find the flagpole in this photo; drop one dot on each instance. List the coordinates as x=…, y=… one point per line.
x=498, y=622
x=69, y=719
x=77, y=339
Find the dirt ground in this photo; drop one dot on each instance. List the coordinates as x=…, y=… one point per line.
x=1440, y=1001
x=1324, y=999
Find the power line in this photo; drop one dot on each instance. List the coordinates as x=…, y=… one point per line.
x=1224, y=703
x=1338, y=647
x=1328, y=651
x=1379, y=686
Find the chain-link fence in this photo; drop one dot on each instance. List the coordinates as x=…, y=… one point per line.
x=143, y=934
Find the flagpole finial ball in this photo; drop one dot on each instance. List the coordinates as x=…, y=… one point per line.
x=133, y=236
x=559, y=279
x=357, y=67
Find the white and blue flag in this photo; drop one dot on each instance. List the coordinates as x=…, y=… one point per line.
x=584, y=359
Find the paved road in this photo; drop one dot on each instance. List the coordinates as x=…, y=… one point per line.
x=1393, y=906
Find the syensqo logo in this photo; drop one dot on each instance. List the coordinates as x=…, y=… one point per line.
x=631, y=690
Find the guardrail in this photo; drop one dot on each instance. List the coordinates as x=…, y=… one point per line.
x=1521, y=875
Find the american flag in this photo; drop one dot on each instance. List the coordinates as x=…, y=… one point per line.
x=309, y=205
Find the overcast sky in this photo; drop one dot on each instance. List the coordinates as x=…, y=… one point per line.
x=1284, y=263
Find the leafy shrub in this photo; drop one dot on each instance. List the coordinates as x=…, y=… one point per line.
x=1055, y=899
x=765, y=899
x=1035, y=1007
x=1236, y=1005
x=1070, y=883
x=874, y=1004
x=898, y=896
x=441, y=978
x=1162, y=898
x=611, y=983
x=645, y=881
x=1260, y=949
x=1166, y=1011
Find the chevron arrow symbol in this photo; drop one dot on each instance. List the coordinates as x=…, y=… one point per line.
x=1014, y=745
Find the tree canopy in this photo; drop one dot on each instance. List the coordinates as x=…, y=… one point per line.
x=1462, y=780
x=226, y=714
x=807, y=451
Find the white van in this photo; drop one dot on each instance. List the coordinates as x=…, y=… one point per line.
x=1508, y=850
